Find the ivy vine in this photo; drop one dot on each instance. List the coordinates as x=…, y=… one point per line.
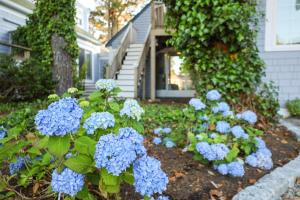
x=217, y=39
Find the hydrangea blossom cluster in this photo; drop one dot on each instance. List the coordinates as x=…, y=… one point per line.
x=106, y=85
x=148, y=176
x=16, y=166
x=235, y=169
x=239, y=132
x=223, y=127
x=68, y=182
x=156, y=140
x=249, y=116
x=221, y=107
x=197, y=104
x=160, y=130
x=97, y=120
x=60, y=118
x=132, y=109
x=213, y=95
x=160, y=198
x=262, y=158
x=2, y=132
x=212, y=152
x=72, y=90
x=169, y=142
x=116, y=153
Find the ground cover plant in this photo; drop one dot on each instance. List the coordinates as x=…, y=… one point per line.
x=293, y=107
x=81, y=148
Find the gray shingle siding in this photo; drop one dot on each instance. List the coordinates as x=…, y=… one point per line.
x=282, y=67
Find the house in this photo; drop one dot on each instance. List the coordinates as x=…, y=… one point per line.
x=13, y=13
x=145, y=66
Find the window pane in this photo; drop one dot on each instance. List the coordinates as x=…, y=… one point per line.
x=88, y=62
x=288, y=22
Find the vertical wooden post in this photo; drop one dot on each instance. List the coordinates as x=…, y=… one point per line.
x=153, y=65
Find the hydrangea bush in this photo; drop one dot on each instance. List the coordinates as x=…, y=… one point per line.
x=224, y=139
x=83, y=144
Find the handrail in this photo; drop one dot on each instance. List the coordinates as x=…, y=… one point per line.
x=121, y=51
x=142, y=59
x=14, y=45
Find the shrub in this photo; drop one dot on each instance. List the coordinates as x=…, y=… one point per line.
x=23, y=80
x=83, y=145
x=293, y=107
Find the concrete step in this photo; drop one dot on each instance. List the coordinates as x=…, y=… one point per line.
x=126, y=77
x=127, y=71
x=127, y=94
x=125, y=82
x=135, y=58
x=130, y=62
x=134, y=50
x=133, y=53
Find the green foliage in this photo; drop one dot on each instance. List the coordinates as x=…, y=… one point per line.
x=47, y=19
x=23, y=80
x=217, y=39
x=49, y=153
x=293, y=107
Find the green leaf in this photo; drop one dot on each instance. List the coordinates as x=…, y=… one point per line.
x=233, y=153
x=59, y=146
x=109, y=179
x=128, y=178
x=42, y=143
x=85, y=145
x=84, y=194
x=80, y=164
x=114, y=106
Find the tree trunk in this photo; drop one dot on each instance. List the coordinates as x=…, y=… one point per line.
x=62, y=65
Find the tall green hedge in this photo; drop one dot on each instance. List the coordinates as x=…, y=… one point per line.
x=217, y=39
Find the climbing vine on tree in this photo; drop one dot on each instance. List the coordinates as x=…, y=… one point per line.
x=217, y=41
x=50, y=32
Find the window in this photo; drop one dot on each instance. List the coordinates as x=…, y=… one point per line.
x=79, y=16
x=283, y=25
x=85, y=63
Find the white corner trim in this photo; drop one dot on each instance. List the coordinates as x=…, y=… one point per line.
x=270, y=30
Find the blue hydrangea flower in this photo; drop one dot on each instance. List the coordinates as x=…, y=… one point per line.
x=239, y=132
x=213, y=135
x=161, y=198
x=236, y=169
x=157, y=131
x=261, y=159
x=228, y=114
x=132, y=109
x=156, y=140
x=2, y=132
x=204, y=125
x=221, y=107
x=260, y=144
x=61, y=117
x=249, y=116
x=204, y=118
x=197, y=104
x=222, y=169
x=68, y=182
x=223, y=127
x=167, y=130
x=16, y=166
x=97, y=120
x=116, y=153
x=106, y=85
x=213, y=95
x=212, y=152
x=148, y=176
x=169, y=142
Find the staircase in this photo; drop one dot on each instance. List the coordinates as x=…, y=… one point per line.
x=127, y=77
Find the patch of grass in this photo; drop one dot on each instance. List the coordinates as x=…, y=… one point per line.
x=294, y=107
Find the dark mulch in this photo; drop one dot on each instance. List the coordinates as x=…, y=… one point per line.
x=193, y=181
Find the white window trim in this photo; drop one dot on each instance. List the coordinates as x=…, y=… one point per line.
x=270, y=30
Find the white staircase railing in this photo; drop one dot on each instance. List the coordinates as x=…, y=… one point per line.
x=116, y=63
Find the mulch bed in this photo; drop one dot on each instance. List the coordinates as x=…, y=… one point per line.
x=188, y=179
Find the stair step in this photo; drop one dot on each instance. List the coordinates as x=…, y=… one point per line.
x=128, y=67
x=133, y=53
x=126, y=77
x=134, y=50
x=127, y=71
x=132, y=58
x=130, y=62
x=136, y=45
x=125, y=82
x=127, y=94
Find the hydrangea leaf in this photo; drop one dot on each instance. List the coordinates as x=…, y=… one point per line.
x=191, y=138
x=59, y=146
x=233, y=153
x=85, y=194
x=128, y=178
x=114, y=106
x=85, y=145
x=80, y=164
x=109, y=179
x=42, y=143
